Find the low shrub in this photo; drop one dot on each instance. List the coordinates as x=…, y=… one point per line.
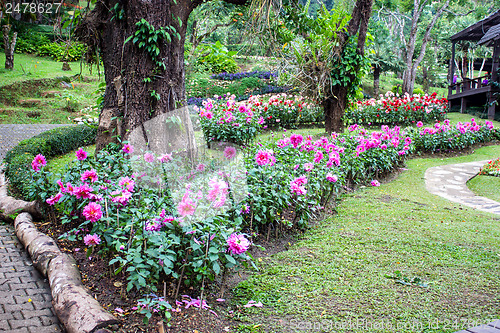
x=30, y=42
x=265, y=75
x=154, y=217
x=61, y=52
x=444, y=137
x=50, y=143
x=394, y=110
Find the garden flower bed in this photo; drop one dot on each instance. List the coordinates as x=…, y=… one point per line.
x=397, y=110
x=492, y=168
x=223, y=119
x=158, y=222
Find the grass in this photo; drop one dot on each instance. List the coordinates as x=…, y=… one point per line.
x=30, y=67
x=59, y=163
x=344, y=269
x=485, y=186
x=24, y=99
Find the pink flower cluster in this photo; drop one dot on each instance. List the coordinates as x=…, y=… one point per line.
x=463, y=128
x=382, y=140
x=297, y=185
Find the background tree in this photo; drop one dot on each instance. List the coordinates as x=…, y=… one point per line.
x=382, y=52
x=326, y=54
x=142, y=48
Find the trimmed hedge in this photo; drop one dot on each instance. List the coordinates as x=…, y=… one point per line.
x=57, y=141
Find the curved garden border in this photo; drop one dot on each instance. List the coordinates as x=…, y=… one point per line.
x=78, y=311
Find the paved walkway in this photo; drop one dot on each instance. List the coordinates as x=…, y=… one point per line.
x=450, y=182
x=12, y=134
x=25, y=297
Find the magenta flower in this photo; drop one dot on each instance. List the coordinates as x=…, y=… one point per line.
x=420, y=124
x=186, y=207
x=61, y=185
x=308, y=167
x=318, y=157
x=263, y=157
x=229, y=152
x=128, y=149
x=82, y=192
x=375, y=183
x=89, y=174
x=297, y=185
x=152, y=226
x=127, y=183
x=148, y=157
x=217, y=190
x=121, y=197
x=81, y=154
x=165, y=158
x=296, y=139
x=38, y=162
x=40, y=159
x=331, y=177
x=54, y=199
x=92, y=240
x=238, y=244
x=92, y=212
x=200, y=167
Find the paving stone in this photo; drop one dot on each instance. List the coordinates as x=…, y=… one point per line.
x=25, y=299
x=443, y=181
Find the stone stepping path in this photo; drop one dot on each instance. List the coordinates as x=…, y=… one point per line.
x=450, y=182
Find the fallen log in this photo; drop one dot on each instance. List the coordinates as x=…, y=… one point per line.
x=76, y=309
x=9, y=207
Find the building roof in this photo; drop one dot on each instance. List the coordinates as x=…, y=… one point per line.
x=492, y=35
x=476, y=31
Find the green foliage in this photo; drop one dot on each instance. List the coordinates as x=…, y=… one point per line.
x=418, y=91
x=30, y=42
x=218, y=59
x=62, y=52
x=321, y=53
x=51, y=143
x=147, y=38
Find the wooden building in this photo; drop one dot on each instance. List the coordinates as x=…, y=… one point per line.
x=477, y=91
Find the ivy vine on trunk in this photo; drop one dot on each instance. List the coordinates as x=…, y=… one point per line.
x=144, y=80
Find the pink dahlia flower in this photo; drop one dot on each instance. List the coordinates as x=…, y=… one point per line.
x=92, y=240
x=238, y=244
x=92, y=212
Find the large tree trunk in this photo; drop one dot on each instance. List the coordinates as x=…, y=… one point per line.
x=9, y=46
x=334, y=105
x=129, y=100
x=376, y=80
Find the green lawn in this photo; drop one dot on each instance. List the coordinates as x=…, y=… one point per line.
x=345, y=268
x=30, y=67
x=485, y=186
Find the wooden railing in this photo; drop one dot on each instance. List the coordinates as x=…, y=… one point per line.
x=468, y=84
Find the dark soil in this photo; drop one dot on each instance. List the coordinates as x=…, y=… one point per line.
x=110, y=289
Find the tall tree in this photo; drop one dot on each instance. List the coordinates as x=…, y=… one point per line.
x=142, y=48
x=327, y=54
x=412, y=63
